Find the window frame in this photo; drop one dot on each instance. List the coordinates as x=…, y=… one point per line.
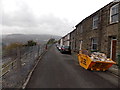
x=94, y=43
x=95, y=21
x=81, y=29
x=116, y=13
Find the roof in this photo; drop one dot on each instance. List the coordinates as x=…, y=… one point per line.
x=111, y=3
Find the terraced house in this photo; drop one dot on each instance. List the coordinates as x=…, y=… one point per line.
x=99, y=31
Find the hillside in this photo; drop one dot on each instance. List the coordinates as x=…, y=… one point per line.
x=23, y=38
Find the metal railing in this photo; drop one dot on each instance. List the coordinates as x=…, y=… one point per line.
x=16, y=68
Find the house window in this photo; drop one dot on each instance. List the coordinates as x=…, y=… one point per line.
x=95, y=22
x=114, y=14
x=94, y=43
x=81, y=29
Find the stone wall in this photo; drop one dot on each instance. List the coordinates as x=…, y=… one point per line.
x=73, y=40
x=118, y=44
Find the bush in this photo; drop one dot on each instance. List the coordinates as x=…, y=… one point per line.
x=31, y=43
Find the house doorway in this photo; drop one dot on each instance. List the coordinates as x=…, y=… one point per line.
x=113, y=49
x=80, y=46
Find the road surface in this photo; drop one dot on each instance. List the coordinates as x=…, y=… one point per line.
x=56, y=70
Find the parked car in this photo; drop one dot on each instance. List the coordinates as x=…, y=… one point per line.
x=65, y=49
x=58, y=47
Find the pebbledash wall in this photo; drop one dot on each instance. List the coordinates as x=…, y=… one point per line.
x=98, y=32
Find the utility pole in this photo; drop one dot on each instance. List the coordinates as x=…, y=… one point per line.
x=119, y=38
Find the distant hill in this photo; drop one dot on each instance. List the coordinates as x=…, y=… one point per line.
x=23, y=38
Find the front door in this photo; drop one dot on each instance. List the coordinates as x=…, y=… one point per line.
x=80, y=45
x=113, y=49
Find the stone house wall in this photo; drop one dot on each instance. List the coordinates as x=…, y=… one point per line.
x=105, y=32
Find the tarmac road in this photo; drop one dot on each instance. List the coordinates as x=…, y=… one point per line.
x=56, y=70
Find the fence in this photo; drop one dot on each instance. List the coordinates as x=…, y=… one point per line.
x=16, y=68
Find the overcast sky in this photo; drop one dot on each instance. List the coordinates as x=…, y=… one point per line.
x=56, y=17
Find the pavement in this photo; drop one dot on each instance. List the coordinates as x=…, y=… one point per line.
x=56, y=70
x=113, y=69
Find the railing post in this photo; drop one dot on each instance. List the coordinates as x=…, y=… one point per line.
x=38, y=50
x=18, y=58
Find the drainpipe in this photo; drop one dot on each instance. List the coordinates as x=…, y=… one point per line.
x=119, y=38
x=119, y=60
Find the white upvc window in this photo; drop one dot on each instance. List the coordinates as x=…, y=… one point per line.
x=81, y=29
x=94, y=45
x=114, y=13
x=95, y=21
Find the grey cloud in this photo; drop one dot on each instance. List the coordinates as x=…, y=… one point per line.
x=24, y=21
x=55, y=24
x=22, y=18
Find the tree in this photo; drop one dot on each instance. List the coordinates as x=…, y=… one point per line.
x=31, y=43
x=51, y=41
x=11, y=50
x=13, y=45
